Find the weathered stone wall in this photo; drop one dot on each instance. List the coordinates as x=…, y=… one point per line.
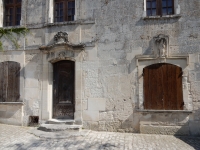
x=11, y=114
x=114, y=32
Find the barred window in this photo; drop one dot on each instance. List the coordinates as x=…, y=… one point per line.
x=64, y=10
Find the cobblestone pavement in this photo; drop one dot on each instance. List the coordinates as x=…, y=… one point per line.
x=19, y=138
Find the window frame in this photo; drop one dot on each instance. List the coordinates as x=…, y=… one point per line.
x=159, y=8
x=65, y=10
x=15, y=5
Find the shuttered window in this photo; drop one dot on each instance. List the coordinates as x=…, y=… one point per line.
x=9, y=81
x=163, y=87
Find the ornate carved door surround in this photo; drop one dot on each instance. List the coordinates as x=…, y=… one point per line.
x=60, y=53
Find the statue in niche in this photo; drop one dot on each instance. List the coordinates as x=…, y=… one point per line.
x=160, y=46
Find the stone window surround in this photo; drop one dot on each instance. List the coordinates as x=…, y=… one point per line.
x=23, y=14
x=181, y=61
x=20, y=60
x=176, y=11
x=50, y=11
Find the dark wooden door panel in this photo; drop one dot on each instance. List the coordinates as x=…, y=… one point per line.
x=9, y=81
x=163, y=87
x=13, y=82
x=63, y=90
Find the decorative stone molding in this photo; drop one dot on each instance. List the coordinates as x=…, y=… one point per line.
x=60, y=40
x=61, y=50
x=61, y=37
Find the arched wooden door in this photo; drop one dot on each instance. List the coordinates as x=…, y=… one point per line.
x=163, y=87
x=63, y=89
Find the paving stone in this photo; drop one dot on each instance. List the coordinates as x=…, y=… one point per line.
x=21, y=138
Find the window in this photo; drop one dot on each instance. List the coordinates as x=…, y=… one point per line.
x=9, y=81
x=163, y=87
x=64, y=10
x=159, y=7
x=12, y=12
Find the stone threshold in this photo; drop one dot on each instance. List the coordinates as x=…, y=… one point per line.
x=59, y=127
x=165, y=111
x=60, y=121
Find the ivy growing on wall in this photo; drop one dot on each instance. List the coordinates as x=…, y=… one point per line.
x=12, y=34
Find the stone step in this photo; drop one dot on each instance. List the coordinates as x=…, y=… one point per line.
x=60, y=121
x=59, y=127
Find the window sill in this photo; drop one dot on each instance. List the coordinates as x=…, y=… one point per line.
x=76, y=22
x=11, y=27
x=162, y=17
x=164, y=111
x=14, y=103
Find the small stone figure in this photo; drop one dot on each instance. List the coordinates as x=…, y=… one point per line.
x=161, y=48
x=160, y=45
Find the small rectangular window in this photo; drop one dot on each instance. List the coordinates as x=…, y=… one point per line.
x=64, y=10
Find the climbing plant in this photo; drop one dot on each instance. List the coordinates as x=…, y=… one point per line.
x=12, y=34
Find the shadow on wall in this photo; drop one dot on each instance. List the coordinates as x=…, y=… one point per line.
x=194, y=130
x=32, y=74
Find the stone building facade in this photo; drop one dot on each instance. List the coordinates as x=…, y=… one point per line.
x=110, y=43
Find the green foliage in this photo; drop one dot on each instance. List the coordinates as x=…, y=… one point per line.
x=10, y=35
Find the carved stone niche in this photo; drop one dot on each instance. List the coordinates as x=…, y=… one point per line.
x=161, y=46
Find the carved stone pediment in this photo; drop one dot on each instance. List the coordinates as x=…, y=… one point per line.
x=61, y=40
x=161, y=46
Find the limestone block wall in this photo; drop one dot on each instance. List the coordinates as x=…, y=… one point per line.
x=11, y=113
x=122, y=33
x=114, y=32
x=32, y=84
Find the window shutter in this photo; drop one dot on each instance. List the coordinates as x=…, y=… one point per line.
x=9, y=81
x=3, y=81
x=163, y=87
x=13, y=81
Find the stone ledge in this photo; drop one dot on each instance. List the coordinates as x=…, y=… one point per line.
x=76, y=22
x=11, y=103
x=164, y=111
x=161, y=17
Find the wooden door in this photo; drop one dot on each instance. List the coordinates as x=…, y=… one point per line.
x=9, y=81
x=63, y=90
x=163, y=87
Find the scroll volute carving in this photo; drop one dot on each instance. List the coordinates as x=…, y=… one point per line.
x=61, y=37
x=160, y=46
